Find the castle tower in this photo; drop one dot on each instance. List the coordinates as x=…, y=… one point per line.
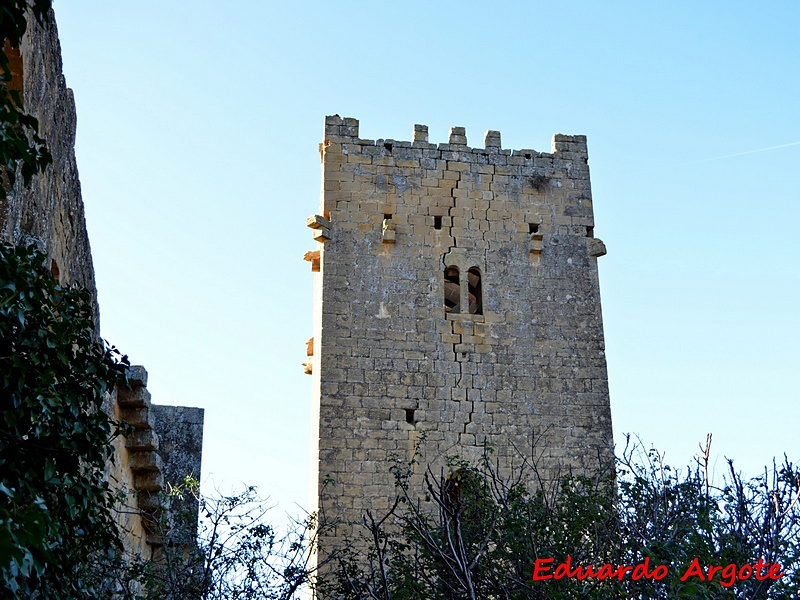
x=456, y=296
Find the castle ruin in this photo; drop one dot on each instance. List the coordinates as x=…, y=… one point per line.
x=167, y=441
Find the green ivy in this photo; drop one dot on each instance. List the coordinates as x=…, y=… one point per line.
x=55, y=438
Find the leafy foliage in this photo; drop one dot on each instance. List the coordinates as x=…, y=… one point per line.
x=236, y=555
x=55, y=439
x=20, y=143
x=467, y=533
x=471, y=534
x=673, y=518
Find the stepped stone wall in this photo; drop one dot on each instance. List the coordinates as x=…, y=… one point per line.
x=456, y=305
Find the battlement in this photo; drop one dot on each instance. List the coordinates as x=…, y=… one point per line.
x=453, y=187
x=567, y=147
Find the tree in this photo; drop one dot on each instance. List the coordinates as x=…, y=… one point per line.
x=470, y=534
x=236, y=554
x=55, y=438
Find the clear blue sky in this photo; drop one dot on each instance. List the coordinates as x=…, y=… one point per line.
x=198, y=125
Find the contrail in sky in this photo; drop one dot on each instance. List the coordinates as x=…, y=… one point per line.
x=744, y=153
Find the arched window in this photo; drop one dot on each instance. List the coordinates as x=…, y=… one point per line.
x=475, y=291
x=452, y=290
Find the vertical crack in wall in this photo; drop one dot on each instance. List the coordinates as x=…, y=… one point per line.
x=483, y=275
x=450, y=211
x=486, y=231
x=471, y=412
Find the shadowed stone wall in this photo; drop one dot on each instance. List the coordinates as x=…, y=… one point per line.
x=49, y=213
x=180, y=432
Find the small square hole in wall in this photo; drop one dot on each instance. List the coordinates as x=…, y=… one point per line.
x=387, y=216
x=590, y=232
x=410, y=416
x=533, y=228
x=437, y=222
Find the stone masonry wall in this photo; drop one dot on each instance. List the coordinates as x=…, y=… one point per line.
x=49, y=213
x=518, y=360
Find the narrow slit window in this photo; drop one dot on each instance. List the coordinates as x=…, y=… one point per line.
x=452, y=290
x=437, y=222
x=410, y=416
x=475, y=291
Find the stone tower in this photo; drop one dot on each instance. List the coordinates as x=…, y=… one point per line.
x=456, y=296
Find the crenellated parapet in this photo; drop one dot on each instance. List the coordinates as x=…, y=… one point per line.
x=419, y=179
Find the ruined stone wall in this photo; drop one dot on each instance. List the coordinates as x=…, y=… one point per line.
x=508, y=350
x=49, y=213
x=180, y=431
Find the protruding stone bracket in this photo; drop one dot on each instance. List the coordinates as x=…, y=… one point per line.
x=309, y=352
x=137, y=375
x=536, y=242
x=318, y=222
x=142, y=444
x=321, y=227
x=312, y=256
x=136, y=397
x=145, y=461
x=596, y=247
x=388, y=233
x=142, y=440
x=138, y=417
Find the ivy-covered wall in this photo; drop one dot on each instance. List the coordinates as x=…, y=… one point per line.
x=49, y=213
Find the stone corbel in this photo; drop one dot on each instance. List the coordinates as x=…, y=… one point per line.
x=535, y=245
x=596, y=247
x=321, y=227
